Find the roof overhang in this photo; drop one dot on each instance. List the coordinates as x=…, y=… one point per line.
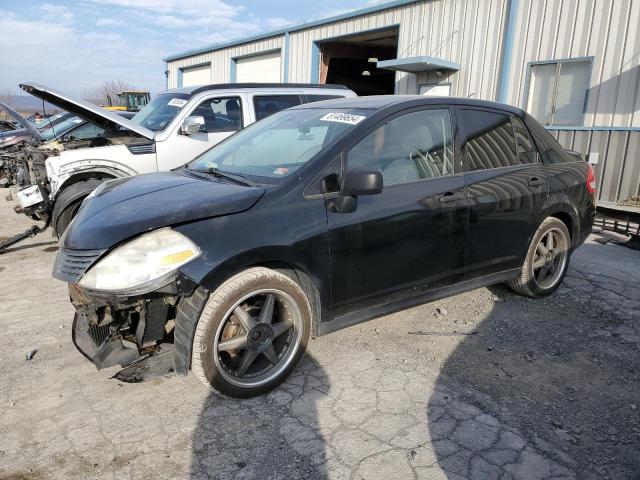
x=418, y=64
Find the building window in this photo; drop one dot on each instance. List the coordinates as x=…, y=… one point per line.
x=558, y=91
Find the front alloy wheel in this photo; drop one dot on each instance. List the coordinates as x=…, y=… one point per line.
x=252, y=333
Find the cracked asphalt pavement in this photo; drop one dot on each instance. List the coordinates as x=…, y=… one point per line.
x=483, y=385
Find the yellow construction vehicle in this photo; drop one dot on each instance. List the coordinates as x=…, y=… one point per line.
x=130, y=101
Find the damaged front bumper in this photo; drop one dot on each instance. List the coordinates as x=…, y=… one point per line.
x=135, y=332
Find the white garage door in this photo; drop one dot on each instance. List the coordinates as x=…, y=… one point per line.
x=196, y=76
x=259, y=68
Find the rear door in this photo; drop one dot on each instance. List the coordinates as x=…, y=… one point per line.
x=506, y=185
x=223, y=116
x=411, y=237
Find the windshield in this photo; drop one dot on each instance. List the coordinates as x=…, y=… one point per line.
x=279, y=145
x=161, y=111
x=61, y=128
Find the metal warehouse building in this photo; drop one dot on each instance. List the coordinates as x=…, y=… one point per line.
x=573, y=64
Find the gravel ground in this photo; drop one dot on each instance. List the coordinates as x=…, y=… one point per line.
x=483, y=385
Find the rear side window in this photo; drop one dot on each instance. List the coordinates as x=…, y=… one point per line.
x=490, y=140
x=266, y=105
x=550, y=150
x=527, y=152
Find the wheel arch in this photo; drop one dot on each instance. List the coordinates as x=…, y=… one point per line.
x=98, y=172
x=301, y=269
x=190, y=308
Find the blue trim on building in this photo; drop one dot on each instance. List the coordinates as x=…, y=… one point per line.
x=233, y=70
x=315, y=63
x=507, y=50
x=291, y=29
x=179, y=79
x=285, y=68
x=166, y=76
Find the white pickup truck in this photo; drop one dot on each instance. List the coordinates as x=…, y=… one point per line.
x=171, y=130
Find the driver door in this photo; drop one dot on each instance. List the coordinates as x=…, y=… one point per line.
x=222, y=116
x=410, y=238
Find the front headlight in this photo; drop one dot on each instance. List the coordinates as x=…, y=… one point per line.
x=142, y=262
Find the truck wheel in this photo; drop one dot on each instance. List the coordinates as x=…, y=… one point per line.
x=547, y=260
x=251, y=334
x=68, y=202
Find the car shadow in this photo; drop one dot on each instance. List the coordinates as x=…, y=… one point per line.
x=269, y=436
x=545, y=388
x=51, y=246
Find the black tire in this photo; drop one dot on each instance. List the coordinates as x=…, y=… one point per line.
x=220, y=369
x=530, y=282
x=68, y=202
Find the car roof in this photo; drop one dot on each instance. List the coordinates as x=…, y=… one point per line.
x=379, y=102
x=241, y=86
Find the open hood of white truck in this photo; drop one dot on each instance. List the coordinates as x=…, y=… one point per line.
x=88, y=111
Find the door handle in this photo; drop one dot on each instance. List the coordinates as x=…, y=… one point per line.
x=536, y=182
x=450, y=197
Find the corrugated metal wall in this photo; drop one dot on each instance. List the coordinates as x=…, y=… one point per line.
x=221, y=59
x=608, y=30
x=618, y=168
x=465, y=31
x=471, y=33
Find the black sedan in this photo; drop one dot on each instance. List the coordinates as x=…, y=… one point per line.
x=314, y=219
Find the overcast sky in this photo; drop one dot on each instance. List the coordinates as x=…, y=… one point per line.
x=75, y=46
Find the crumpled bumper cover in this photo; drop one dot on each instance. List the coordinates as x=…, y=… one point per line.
x=132, y=332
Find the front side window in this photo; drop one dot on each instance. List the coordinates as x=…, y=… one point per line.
x=490, y=141
x=279, y=145
x=558, y=91
x=267, y=105
x=161, y=111
x=414, y=146
x=220, y=114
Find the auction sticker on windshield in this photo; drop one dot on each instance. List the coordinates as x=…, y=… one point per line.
x=343, y=118
x=177, y=102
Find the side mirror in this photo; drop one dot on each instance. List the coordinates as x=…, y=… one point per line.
x=361, y=181
x=356, y=181
x=192, y=125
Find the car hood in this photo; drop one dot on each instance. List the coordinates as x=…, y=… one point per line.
x=91, y=113
x=129, y=206
x=26, y=125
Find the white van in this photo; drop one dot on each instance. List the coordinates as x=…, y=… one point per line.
x=171, y=130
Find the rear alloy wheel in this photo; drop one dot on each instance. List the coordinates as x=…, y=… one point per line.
x=252, y=333
x=547, y=260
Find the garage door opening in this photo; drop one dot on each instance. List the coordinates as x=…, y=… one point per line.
x=351, y=61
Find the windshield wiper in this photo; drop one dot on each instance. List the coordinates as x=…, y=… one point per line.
x=234, y=177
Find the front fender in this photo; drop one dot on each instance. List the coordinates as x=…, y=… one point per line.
x=83, y=171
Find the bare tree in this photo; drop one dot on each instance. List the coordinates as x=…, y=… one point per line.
x=107, y=93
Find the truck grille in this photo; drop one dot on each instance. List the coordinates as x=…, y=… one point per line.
x=71, y=264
